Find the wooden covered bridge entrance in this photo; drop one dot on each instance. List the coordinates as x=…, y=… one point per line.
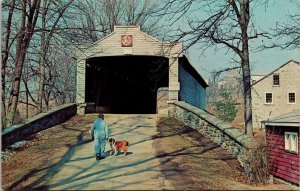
x=122, y=72
x=125, y=84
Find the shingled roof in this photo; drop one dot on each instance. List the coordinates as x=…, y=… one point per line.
x=287, y=119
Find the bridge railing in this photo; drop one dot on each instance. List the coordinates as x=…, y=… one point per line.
x=37, y=123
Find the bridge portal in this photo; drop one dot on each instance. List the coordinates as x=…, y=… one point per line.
x=125, y=84
x=126, y=70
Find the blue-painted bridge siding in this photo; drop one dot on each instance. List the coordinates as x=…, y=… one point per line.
x=191, y=90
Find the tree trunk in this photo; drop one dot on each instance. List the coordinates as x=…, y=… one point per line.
x=29, y=19
x=5, y=51
x=27, y=104
x=45, y=41
x=247, y=97
x=244, y=21
x=20, y=56
x=14, y=96
x=25, y=81
x=42, y=60
x=47, y=98
x=42, y=76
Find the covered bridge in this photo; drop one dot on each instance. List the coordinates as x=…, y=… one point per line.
x=123, y=72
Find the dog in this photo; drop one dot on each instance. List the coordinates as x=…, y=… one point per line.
x=118, y=146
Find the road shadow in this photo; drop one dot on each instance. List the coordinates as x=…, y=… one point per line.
x=121, y=153
x=86, y=176
x=53, y=168
x=106, y=174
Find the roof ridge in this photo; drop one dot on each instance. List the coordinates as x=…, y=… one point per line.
x=290, y=61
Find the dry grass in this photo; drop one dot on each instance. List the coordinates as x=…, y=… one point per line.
x=192, y=161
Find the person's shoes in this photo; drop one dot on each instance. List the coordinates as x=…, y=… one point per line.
x=98, y=157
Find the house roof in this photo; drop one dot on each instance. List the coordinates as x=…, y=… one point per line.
x=287, y=119
x=290, y=61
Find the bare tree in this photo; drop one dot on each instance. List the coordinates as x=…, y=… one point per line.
x=28, y=77
x=41, y=36
x=29, y=17
x=287, y=34
x=46, y=35
x=28, y=35
x=219, y=22
x=139, y=12
x=96, y=19
x=6, y=45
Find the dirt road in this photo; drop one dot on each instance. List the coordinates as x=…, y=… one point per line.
x=140, y=169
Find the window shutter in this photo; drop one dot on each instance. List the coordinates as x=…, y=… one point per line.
x=294, y=143
x=286, y=141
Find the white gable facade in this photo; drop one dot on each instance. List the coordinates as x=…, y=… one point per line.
x=277, y=93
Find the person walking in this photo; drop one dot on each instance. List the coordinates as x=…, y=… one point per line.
x=99, y=133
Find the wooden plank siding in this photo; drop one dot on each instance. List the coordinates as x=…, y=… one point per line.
x=143, y=45
x=80, y=75
x=282, y=164
x=191, y=91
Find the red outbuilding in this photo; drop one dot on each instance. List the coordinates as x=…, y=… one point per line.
x=282, y=138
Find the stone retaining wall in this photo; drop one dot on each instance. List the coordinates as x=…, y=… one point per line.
x=37, y=123
x=229, y=138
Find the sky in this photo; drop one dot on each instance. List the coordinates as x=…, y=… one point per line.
x=262, y=62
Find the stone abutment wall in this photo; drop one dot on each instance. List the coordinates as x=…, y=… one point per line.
x=229, y=138
x=37, y=123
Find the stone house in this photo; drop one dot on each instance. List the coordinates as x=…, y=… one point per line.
x=125, y=71
x=276, y=93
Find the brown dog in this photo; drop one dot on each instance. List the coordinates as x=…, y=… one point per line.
x=118, y=146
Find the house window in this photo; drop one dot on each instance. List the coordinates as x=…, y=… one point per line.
x=276, y=79
x=292, y=97
x=269, y=98
x=291, y=142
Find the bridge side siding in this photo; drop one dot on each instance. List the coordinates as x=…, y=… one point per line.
x=191, y=90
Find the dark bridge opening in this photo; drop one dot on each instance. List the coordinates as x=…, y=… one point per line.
x=125, y=84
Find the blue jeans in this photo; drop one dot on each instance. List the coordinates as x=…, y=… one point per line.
x=99, y=146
